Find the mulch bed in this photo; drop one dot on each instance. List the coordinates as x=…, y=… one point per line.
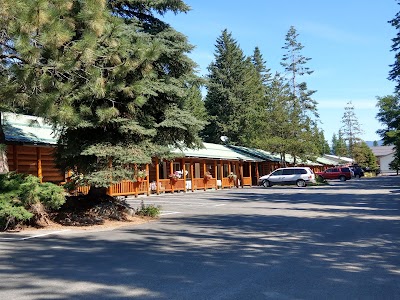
x=88, y=211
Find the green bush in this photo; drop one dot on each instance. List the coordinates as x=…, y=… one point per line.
x=148, y=210
x=319, y=180
x=21, y=195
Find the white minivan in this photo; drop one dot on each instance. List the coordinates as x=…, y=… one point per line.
x=299, y=176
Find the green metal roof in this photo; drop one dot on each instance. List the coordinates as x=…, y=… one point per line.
x=326, y=161
x=26, y=129
x=216, y=151
x=260, y=154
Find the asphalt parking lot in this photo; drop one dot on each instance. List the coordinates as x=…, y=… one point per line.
x=332, y=242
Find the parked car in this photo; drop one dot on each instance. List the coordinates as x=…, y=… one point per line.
x=341, y=173
x=357, y=171
x=300, y=176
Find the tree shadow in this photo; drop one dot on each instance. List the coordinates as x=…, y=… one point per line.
x=329, y=246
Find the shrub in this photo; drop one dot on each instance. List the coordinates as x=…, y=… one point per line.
x=23, y=198
x=319, y=180
x=11, y=215
x=148, y=210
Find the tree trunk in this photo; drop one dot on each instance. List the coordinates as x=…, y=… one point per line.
x=3, y=160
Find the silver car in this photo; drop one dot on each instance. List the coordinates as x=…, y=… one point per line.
x=299, y=176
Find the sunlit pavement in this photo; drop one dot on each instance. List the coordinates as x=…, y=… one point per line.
x=328, y=242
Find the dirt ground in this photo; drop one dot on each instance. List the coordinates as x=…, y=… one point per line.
x=107, y=225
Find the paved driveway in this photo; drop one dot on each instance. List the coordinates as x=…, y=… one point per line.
x=335, y=242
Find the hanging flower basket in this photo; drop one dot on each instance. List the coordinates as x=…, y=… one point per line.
x=232, y=176
x=174, y=176
x=207, y=176
x=141, y=175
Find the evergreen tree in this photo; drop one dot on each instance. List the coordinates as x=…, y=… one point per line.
x=322, y=143
x=234, y=91
x=295, y=66
x=275, y=128
x=394, y=73
x=334, y=143
x=260, y=65
x=389, y=116
x=111, y=74
x=195, y=103
x=364, y=156
x=351, y=128
x=339, y=147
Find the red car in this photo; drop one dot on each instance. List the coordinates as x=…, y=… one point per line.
x=342, y=173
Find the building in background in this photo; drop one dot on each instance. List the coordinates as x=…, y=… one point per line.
x=384, y=156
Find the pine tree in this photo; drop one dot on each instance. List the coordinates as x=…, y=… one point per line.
x=111, y=74
x=364, y=156
x=234, y=90
x=334, y=143
x=321, y=142
x=341, y=148
x=351, y=128
x=275, y=122
x=389, y=116
x=295, y=66
x=260, y=65
x=195, y=104
x=394, y=73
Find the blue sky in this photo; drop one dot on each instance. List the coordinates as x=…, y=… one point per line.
x=348, y=41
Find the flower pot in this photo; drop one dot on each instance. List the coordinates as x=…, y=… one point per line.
x=208, y=177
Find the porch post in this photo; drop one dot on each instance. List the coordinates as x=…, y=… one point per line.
x=191, y=174
x=171, y=169
x=148, y=179
x=39, y=164
x=251, y=178
x=204, y=174
x=184, y=174
x=241, y=173
x=157, y=176
x=221, y=168
x=216, y=172
x=136, y=183
x=257, y=172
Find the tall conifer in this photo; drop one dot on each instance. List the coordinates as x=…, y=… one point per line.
x=233, y=91
x=110, y=74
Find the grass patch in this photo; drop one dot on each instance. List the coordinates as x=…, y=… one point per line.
x=148, y=210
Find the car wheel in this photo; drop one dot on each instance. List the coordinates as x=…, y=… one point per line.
x=266, y=183
x=342, y=178
x=358, y=176
x=300, y=183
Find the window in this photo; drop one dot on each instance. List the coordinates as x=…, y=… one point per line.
x=187, y=169
x=197, y=170
x=177, y=166
x=277, y=173
x=300, y=171
x=288, y=172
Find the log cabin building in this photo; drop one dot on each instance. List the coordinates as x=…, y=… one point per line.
x=30, y=144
